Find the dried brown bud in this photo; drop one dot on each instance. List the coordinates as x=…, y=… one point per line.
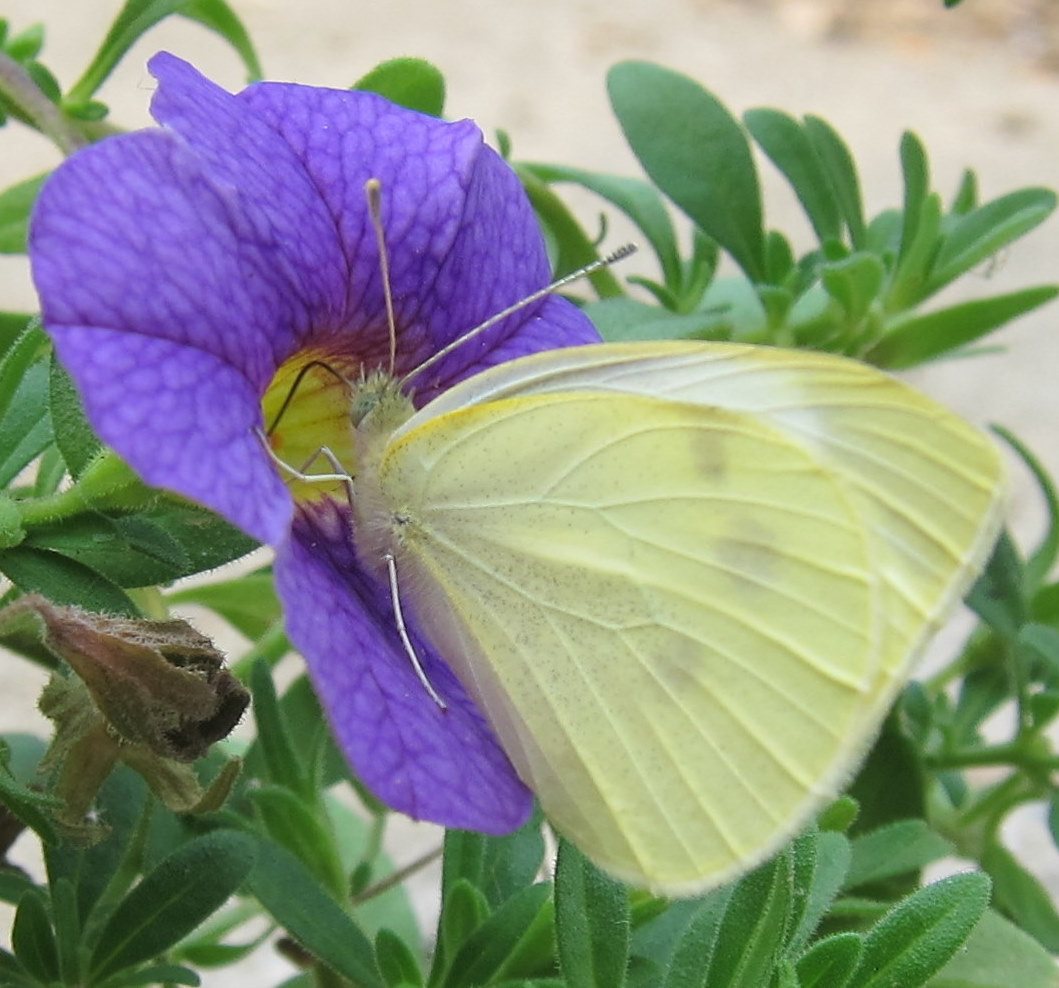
x=153, y=694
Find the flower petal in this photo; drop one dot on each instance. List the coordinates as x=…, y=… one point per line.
x=183, y=419
x=440, y=765
x=140, y=258
x=462, y=240
x=258, y=171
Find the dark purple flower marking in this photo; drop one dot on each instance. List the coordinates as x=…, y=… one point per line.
x=188, y=272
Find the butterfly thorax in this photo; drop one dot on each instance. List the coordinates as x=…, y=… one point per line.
x=378, y=408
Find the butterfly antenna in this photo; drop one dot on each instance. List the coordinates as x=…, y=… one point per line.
x=604, y=262
x=294, y=390
x=373, y=194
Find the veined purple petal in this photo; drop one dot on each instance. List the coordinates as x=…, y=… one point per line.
x=462, y=239
x=273, y=193
x=183, y=419
x=440, y=765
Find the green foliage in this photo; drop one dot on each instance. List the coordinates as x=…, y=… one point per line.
x=858, y=292
x=147, y=896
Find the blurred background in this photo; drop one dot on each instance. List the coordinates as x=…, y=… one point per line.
x=979, y=84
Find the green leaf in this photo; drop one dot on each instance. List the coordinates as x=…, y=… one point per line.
x=139, y=16
x=998, y=955
x=130, y=551
x=464, y=909
x=26, y=45
x=67, y=929
x=997, y=596
x=837, y=163
x=16, y=203
x=32, y=938
x=294, y=898
x=637, y=199
x=890, y=784
x=290, y=822
x=33, y=808
x=830, y=962
x=498, y=866
x=488, y=954
x=696, y=153
x=220, y=18
x=919, y=935
x=64, y=581
x=308, y=731
x=395, y=960
x=208, y=540
x=833, y=856
x=14, y=974
x=752, y=933
x=782, y=138
x=693, y=950
x=73, y=435
x=1018, y=894
x=248, y=603
x=284, y=766
x=1042, y=560
x=854, y=282
x=186, y=887
x=12, y=326
x=25, y=425
x=908, y=285
x=156, y=974
x=894, y=849
x=621, y=320
x=916, y=172
x=591, y=922
x=410, y=82
x=573, y=248
x=919, y=337
x=972, y=238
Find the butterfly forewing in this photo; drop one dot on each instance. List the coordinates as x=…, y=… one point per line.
x=665, y=609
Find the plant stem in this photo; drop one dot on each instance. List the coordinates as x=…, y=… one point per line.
x=25, y=96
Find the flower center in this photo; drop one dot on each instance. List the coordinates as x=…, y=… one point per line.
x=307, y=411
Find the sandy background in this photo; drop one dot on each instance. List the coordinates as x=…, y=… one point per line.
x=979, y=85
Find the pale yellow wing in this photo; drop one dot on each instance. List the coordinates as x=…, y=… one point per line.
x=930, y=485
x=684, y=620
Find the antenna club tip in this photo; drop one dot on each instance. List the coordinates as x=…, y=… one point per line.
x=625, y=250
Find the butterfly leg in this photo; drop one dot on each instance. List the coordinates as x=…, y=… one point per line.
x=339, y=474
x=402, y=630
x=391, y=563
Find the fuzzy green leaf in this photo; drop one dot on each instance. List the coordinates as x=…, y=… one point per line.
x=919, y=935
x=591, y=922
x=998, y=955
x=294, y=898
x=33, y=939
x=830, y=962
x=894, y=849
x=186, y=887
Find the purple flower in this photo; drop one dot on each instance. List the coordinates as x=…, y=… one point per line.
x=188, y=273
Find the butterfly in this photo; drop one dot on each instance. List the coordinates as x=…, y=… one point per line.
x=684, y=581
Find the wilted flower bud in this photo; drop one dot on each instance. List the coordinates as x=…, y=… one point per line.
x=154, y=694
